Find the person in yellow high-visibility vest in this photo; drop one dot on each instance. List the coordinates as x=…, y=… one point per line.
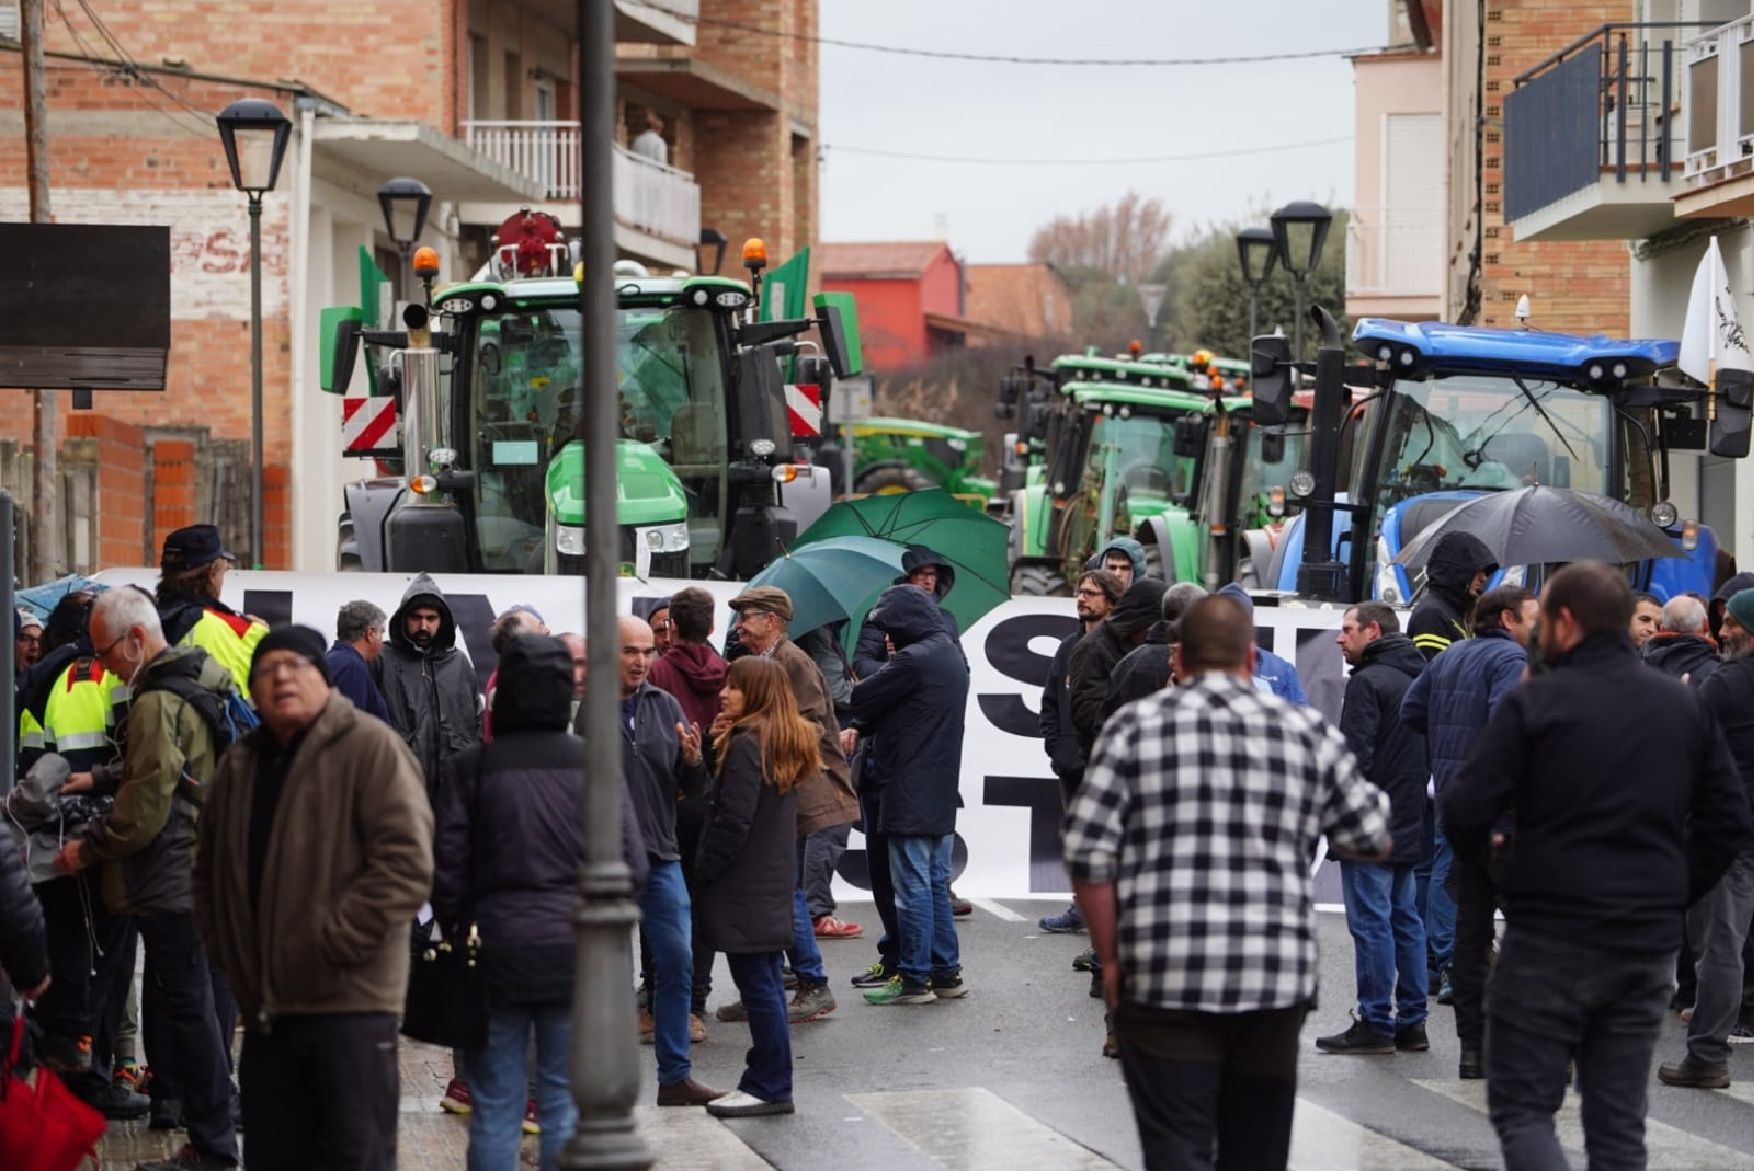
x=193, y=565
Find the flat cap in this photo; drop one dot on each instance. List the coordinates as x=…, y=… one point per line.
x=770, y=598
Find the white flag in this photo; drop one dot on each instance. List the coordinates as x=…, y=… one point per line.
x=1713, y=333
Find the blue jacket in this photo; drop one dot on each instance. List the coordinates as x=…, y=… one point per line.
x=1279, y=675
x=352, y=676
x=1451, y=702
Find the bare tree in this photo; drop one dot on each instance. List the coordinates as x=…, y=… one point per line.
x=1125, y=239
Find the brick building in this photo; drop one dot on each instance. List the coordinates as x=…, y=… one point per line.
x=477, y=98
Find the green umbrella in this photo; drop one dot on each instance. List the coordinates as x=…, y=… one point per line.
x=833, y=579
x=975, y=545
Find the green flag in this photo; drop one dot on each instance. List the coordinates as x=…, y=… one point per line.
x=784, y=292
x=377, y=305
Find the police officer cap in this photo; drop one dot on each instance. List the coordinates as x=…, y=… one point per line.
x=193, y=547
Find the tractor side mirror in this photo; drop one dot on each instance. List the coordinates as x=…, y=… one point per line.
x=1271, y=379
x=1272, y=447
x=1729, y=431
x=839, y=343
x=1190, y=436
x=343, y=353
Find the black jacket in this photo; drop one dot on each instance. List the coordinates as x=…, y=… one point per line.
x=869, y=652
x=1143, y=671
x=914, y=709
x=746, y=868
x=1677, y=655
x=1390, y=754
x=1096, y=658
x=509, y=838
x=1628, y=805
x=1729, y=692
x=1721, y=599
x=24, y=954
x=1440, y=617
x=652, y=765
x=430, y=693
x=1065, y=754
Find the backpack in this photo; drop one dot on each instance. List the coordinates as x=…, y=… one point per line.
x=228, y=716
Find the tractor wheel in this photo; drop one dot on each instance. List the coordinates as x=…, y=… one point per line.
x=346, y=551
x=887, y=481
x=1040, y=581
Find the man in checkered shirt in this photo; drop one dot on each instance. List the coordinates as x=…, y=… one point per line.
x=1190, y=846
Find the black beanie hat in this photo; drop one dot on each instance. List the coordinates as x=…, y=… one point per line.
x=300, y=640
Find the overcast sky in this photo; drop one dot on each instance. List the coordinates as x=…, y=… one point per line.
x=966, y=109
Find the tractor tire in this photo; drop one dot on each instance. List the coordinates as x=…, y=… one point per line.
x=347, y=558
x=1039, y=581
x=886, y=481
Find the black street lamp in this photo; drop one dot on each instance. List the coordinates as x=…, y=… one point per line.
x=254, y=134
x=1258, y=251
x=405, y=203
x=1300, y=229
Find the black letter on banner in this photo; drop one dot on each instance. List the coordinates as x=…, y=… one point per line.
x=1041, y=796
x=271, y=606
x=1009, y=653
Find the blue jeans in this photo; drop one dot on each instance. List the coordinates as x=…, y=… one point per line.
x=1550, y=1001
x=767, y=1069
x=498, y=1085
x=664, y=911
x=1438, y=905
x=1388, y=943
x=804, y=953
x=926, y=930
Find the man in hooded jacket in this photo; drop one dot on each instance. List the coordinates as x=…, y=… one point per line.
x=428, y=684
x=1095, y=658
x=1382, y=906
x=1124, y=557
x=1454, y=577
x=913, y=710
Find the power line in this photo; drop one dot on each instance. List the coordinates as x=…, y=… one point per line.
x=1006, y=59
x=1203, y=156
x=128, y=67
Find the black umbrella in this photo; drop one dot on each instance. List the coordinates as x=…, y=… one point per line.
x=1543, y=525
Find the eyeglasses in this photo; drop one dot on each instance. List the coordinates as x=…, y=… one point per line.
x=1090, y=593
x=102, y=652
x=662, y=625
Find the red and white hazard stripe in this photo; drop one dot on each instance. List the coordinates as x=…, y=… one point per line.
x=804, y=409
x=368, y=425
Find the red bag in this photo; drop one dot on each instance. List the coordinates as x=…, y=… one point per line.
x=43, y=1127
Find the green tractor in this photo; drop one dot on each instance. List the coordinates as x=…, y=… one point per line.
x=489, y=474
x=906, y=455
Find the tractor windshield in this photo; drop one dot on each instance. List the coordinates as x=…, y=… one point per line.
x=1490, y=432
x=1142, y=448
x=526, y=395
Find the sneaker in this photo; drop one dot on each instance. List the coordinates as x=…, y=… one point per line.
x=900, y=990
x=1686, y=1015
x=1472, y=1066
x=874, y=976
x=949, y=987
x=828, y=927
x=1741, y=1035
x=188, y=1159
x=696, y=1028
x=1412, y=1039
x=1694, y=1075
x=788, y=978
x=738, y=1104
x=1084, y=960
x=732, y=1013
x=129, y=1073
x=114, y=1101
x=457, y=1099
x=1360, y=1040
x=1067, y=922
x=1111, y=1047
x=530, y=1124
x=812, y=1002
x=167, y=1114
x=647, y=1027
x=961, y=908
x=1446, y=989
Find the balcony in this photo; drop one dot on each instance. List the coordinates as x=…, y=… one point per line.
x=650, y=199
x=1720, y=122
x=1394, y=262
x=1594, y=137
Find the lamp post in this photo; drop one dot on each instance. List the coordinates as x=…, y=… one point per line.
x=254, y=134
x=1300, y=229
x=1258, y=250
x=405, y=203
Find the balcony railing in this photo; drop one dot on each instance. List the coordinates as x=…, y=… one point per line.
x=1608, y=104
x=1720, y=98
x=1394, y=252
x=649, y=197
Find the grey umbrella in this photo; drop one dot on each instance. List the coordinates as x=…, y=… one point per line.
x=1543, y=525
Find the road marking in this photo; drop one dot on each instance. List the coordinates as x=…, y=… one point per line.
x=997, y=910
x=976, y=1130
x=1670, y=1148
x=1324, y=1141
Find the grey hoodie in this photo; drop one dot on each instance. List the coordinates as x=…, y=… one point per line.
x=430, y=690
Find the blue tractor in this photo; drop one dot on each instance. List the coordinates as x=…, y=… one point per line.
x=1444, y=413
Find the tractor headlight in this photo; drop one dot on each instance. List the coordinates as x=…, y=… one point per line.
x=761, y=448
x=1302, y=483
x=666, y=538
x=1664, y=515
x=570, y=539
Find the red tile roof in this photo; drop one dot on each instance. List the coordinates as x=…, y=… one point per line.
x=1026, y=299
x=895, y=259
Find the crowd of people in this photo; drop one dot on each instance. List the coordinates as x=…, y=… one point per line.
x=280, y=826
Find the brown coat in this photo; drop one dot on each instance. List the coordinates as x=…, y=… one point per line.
x=349, y=863
x=827, y=799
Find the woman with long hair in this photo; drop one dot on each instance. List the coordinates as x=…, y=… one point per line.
x=747, y=867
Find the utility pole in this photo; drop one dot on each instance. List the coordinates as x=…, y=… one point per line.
x=45, y=547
